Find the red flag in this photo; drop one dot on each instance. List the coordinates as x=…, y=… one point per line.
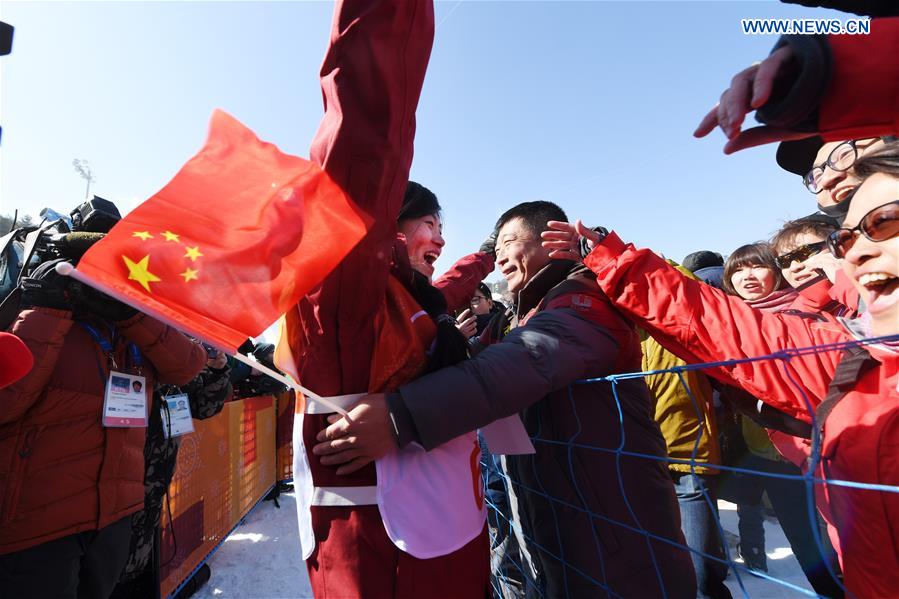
x=231, y=243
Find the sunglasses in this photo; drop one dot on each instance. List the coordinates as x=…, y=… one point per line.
x=800, y=254
x=879, y=224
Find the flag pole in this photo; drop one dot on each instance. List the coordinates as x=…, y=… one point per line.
x=289, y=382
x=66, y=269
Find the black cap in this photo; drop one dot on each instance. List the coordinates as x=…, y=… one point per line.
x=702, y=259
x=819, y=217
x=798, y=156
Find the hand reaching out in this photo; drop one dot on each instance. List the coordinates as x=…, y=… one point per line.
x=749, y=90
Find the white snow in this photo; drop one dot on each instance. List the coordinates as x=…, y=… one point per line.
x=261, y=558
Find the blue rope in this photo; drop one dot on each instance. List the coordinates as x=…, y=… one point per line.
x=809, y=478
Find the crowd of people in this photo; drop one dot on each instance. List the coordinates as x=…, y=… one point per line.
x=460, y=403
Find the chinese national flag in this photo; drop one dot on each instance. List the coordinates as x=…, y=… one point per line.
x=240, y=234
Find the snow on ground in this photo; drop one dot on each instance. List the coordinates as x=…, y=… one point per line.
x=261, y=558
x=782, y=563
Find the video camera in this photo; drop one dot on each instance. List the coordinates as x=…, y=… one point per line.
x=56, y=236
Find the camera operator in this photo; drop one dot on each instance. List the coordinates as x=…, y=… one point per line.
x=71, y=470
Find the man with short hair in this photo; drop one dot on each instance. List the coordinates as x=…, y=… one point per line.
x=597, y=483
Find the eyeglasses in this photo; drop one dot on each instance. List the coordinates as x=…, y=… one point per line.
x=879, y=224
x=477, y=299
x=841, y=158
x=800, y=254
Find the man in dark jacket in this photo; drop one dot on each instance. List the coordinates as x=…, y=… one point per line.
x=586, y=506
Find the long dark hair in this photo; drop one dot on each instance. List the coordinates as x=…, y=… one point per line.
x=450, y=346
x=759, y=253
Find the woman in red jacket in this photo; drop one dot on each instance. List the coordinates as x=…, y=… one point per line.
x=850, y=396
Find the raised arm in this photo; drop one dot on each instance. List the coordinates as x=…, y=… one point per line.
x=702, y=324
x=371, y=81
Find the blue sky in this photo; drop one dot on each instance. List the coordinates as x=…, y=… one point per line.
x=588, y=104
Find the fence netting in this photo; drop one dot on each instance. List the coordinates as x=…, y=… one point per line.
x=790, y=497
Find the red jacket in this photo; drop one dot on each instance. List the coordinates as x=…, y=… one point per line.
x=861, y=100
x=61, y=470
x=861, y=434
x=460, y=282
x=371, y=80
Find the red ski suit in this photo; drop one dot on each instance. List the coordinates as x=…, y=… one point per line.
x=371, y=78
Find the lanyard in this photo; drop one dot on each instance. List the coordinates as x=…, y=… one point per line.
x=106, y=346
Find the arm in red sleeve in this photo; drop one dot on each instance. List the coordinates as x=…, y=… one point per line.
x=817, y=297
x=699, y=324
x=844, y=292
x=371, y=81
x=862, y=99
x=888, y=474
x=459, y=283
x=43, y=331
x=176, y=358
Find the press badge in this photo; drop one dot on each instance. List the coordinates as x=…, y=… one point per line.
x=176, y=417
x=125, y=403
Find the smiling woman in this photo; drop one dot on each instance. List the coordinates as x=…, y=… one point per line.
x=419, y=221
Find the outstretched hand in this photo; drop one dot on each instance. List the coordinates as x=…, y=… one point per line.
x=357, y=439
x=564, y=239
x=749, y=90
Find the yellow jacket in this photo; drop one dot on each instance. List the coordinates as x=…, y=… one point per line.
x=676, y=412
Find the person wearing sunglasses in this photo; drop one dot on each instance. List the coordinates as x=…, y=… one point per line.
x=806, y=265
x=852, y=391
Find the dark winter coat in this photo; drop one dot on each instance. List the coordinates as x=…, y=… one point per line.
x=61, y=470
x=571, y=493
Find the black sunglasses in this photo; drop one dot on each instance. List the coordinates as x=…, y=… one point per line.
x=800, y=254
x=879, y=224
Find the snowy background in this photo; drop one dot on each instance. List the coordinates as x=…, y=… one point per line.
x=261, y=558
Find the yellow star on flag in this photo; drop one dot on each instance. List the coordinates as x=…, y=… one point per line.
x=189, y=274
x=143, y=235
x=169, y=236
x=193, y=253
x=139, y=271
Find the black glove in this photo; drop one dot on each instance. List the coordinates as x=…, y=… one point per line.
x=585, y=246
x=489, y=245
x=46, y=288
x=87, y=301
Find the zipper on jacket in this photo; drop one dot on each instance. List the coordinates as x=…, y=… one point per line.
x=25, y=452
x=14, y=482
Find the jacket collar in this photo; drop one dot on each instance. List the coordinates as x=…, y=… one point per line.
x=860, y=328
x=536, y=289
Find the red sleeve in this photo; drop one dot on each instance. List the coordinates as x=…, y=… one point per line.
x=699, y=323
x=844, y=292
x=371, y=81
x=459, y=283
x=888, y=474
x=176, y=359
x=862, y=99
x=43, y=331
x=817, y=297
